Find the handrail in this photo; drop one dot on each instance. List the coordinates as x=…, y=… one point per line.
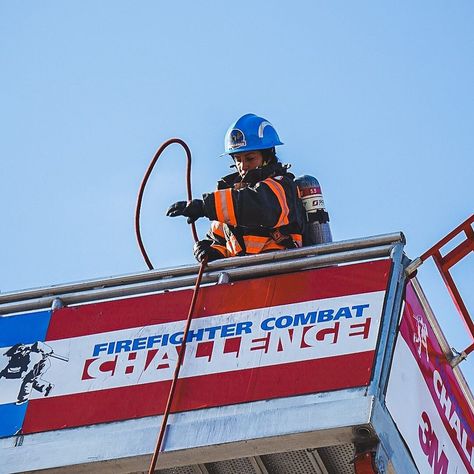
x=183, y=276
x=193, y=269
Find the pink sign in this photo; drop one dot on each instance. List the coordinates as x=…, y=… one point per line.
x=426, y=399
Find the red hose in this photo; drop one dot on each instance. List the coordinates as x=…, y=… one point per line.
x=169, y=402
x=142, y=190
x=181, y=353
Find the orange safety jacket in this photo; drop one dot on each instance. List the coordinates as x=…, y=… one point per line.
x=259, y=213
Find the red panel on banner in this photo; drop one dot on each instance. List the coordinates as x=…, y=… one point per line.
x=259, y=293
x=226, y=388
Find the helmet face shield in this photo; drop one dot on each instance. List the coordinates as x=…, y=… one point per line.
x=250, y=133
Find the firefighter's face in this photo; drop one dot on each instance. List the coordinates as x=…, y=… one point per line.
x=248, y=160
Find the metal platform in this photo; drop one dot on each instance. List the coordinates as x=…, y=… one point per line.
x=313, y=425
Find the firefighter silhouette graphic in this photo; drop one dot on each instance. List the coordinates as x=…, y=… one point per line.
x=421, y=336
x=29, y=362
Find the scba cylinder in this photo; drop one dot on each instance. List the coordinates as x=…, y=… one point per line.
x=317, y=230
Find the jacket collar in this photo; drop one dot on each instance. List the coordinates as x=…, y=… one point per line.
x=254, y=176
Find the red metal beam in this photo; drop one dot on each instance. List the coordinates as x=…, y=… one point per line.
x=364, y=463
x=450, y=259
x=457, y=254
x=461, y=227
x=456, y=297
x=469, y=349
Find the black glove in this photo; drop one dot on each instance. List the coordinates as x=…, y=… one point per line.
x=202, y=249
x=193, y=210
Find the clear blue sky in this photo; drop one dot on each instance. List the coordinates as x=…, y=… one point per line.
x=374, y=98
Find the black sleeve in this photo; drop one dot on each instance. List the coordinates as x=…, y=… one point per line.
x=268, y=204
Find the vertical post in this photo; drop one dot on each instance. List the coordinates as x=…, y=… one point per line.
x=389, y=323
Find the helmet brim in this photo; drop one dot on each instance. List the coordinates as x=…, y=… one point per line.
x=245, y=149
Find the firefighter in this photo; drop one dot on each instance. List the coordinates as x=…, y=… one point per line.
x=28, y=362
x=257, y=208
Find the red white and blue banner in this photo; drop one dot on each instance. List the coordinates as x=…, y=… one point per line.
x=425, y=399
x=277, y=336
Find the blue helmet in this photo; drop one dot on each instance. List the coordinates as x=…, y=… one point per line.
x=250, y=133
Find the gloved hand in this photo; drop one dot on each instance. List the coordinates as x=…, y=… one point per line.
x=193, y=210
x=202, y=249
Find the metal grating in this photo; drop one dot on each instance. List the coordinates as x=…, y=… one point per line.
x=338, y=459
x=233, y=466
x=178, y=470
x=328, y=460
x=301, y=462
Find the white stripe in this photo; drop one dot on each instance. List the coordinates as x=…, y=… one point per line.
x=262, y=127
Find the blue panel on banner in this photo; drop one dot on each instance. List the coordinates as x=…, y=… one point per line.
x=24, y=328
x=18, y=335
x=12, y=418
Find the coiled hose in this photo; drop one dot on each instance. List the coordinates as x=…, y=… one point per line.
x=158, y=153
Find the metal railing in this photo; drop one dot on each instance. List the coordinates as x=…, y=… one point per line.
x=235, y=268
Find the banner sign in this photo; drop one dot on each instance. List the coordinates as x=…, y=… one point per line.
x=257, y=339
x=425, y=399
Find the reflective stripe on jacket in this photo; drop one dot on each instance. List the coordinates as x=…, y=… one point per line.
x=246, y=214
